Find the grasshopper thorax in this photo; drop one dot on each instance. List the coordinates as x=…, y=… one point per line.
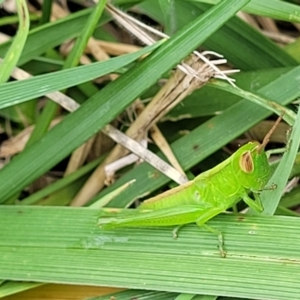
x=251, y=167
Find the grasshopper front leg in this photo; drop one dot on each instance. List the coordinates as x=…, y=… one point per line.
x=254, y=204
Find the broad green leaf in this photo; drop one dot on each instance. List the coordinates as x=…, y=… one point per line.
x=39, y=243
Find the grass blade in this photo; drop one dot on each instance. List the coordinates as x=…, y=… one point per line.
x=17, y=92
x=64, y=245
x=271, y=198
x=14, y=52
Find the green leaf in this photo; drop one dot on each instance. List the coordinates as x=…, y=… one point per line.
x=281, y=10
x=61, y=183
x=293, y=49
x=10, y=288
x=134, y=294
x=169, y=14
x=16, y=48
x=64, y=245
x=72, y=60
x=47, y=36
x=209, y=100
x=241, y=44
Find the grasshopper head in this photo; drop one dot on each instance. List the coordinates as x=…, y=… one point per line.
x=251, y=165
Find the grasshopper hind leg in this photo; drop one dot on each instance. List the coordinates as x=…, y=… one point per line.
x=202, y=217
x=207, y=216
x=208, y=228
x=220, y=238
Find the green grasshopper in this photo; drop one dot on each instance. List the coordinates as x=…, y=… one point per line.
x=209, y=194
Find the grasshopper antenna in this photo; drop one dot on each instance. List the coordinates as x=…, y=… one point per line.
x=268, y=135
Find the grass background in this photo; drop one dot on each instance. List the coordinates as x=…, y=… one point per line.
x=43, y=240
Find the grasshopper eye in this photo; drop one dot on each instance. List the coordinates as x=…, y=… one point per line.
x=246, y=162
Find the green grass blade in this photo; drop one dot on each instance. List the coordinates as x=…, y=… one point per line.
x=293, y=49
x=206, y=297
x=209, y=101
x=14, y=52
x=17, y=92
x=15, y=19
x=87, y=31
x=104, y=201
x=46, y=11
x=274, y=9
x=72, y=60
x=64, y=245
x=280, y=10
x=240, y=43
x=45, y=37
x=110, y=101
x=289, y=116
x=11, y=287
x=271, y=198
x=60, y=184
x=185, y=297
x=136, y=294
x=167, y=11
x=151, y=295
